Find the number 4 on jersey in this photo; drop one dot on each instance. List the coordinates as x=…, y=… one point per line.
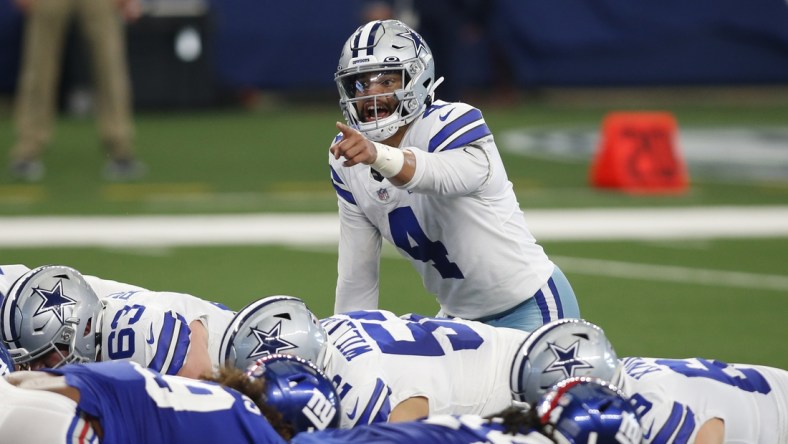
x=404, y=227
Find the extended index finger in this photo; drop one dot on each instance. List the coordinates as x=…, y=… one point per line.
x=346, y=130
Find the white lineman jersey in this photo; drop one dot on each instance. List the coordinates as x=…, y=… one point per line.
x=377, y=360
x=675, y=397
x=472, y=247
x=8, y=275
x=152, y=328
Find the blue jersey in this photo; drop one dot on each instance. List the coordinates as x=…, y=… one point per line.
x=466, y=429
x=6, y=363
x=138, y=405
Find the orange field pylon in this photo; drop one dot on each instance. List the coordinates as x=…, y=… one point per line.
x=638, y=153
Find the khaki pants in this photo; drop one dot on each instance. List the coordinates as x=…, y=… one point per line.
x=44, y=38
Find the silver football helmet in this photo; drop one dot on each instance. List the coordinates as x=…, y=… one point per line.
x=388, y=46
x=51, y=309
x=559, y=350
x=273, y=325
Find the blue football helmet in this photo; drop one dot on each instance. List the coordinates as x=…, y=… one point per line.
x=51, y=309
x=583, y=410
x=273, y=325
x=304, y=396
x=387, y=46
x=558, y=350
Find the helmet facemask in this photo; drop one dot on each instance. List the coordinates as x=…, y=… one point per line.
x=64, y=345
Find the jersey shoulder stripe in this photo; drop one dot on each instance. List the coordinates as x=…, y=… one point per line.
x=462, y=129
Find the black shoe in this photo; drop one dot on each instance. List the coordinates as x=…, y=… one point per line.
x=27, y=170
x=127, y=170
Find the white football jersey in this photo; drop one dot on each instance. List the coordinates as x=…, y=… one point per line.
x=151, y=327
x=675, y=397
x=377, y=360
x=8, y=275
x=458, y=221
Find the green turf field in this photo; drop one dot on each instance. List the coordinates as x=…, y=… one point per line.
x=275, y=160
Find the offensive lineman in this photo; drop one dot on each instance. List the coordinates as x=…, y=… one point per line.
x=385, y=368
x=426, y=175
x=692, y=400
x=52, y=316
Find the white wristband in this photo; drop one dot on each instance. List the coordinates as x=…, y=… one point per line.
x=389, y=161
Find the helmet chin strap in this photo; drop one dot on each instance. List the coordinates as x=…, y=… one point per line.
x=434, y=87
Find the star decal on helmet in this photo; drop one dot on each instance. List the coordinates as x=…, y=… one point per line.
x=414, y=37
x=269, y=342
x=53, y=301
x=566, y=359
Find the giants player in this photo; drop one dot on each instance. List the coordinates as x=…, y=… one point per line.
x=122, y=402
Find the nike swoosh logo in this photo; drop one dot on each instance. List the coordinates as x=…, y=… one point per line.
x=443, y=117
x=150, y=339
x=648, y=434
x=352, y=414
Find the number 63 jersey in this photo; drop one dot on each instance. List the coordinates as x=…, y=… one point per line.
x=675, y=397
x=377, y=360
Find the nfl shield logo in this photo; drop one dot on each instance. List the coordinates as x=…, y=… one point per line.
x=383, y=194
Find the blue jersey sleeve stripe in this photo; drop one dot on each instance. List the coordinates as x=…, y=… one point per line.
x=347, y=195
x=684, y=433
x=181, y=347
x=341, y=190
x=468, y=137
x=174, y=335
x=669, y=428
x=457, y=124
x=378, y=407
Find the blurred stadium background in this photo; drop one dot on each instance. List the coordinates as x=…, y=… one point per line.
x=238, y=123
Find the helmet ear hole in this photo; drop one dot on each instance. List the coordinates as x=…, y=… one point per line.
x=88, y=328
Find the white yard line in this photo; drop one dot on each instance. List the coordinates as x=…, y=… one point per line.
x=666, y=273
x=323, y=229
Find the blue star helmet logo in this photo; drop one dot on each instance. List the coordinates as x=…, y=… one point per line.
x=53, y=301
x=414, y=37
x=269, y=342
x=566, y=359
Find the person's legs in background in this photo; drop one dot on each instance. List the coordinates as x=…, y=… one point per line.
x=104, y=31
x=35, y=103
